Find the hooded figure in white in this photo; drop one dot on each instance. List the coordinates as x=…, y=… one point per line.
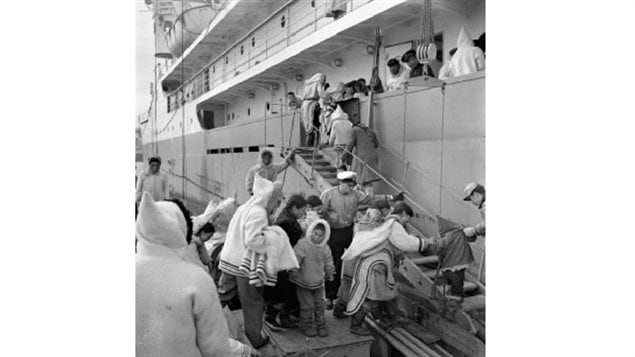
x=177, y=308
x=313, y=92
x=341, y=127
x=468, y=58
x=266, y=168
x=246, y=232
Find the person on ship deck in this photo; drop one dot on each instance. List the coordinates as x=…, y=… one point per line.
x=416, y=68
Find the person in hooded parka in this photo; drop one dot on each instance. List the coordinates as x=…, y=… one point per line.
x=467, y=58
x=266, y=168
x=246, y=232
x=177, y=308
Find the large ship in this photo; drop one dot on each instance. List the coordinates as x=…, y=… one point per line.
x=223, y=71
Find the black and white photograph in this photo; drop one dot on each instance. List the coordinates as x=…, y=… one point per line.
x=310, y=178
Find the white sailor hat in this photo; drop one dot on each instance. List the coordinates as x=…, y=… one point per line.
x=346, y=176
x=469, y=189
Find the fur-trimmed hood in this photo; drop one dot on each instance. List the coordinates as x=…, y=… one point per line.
x=327, y=231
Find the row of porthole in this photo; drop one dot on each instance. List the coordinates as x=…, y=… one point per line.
x=238, y=149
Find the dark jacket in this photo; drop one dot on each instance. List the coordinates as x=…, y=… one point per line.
x=290, y=225
x=453, y=248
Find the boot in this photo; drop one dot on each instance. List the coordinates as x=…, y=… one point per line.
x=305, y=323
x=270, y=318
x=339, y=309
x=356, y=323
x=286, y=322
x=395, y=315
x=321, y=324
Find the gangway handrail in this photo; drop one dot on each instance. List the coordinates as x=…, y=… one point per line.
x=390, y=184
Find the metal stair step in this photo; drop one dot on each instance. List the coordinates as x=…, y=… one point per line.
x=309, y=156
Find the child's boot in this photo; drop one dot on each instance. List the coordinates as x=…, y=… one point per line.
x=356, y=323
x=306, y=323
x=321, y=326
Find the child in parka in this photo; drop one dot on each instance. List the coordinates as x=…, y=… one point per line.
x=316, y=262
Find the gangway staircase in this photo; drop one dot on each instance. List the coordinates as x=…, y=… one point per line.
x=461, y=326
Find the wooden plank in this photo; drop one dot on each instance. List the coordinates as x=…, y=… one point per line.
x=456, y=337
x=421, y=332
x=429, y=259
x=472, y=303
x=339, y=339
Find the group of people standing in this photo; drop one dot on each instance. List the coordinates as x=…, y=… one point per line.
x=467, y=57
x=317, y=254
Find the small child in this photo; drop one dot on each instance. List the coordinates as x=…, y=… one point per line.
x=455, y=255
x=316, y=262
x=196, y=252
x=314, y=210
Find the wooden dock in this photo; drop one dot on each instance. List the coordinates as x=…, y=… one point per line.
x=339, y=343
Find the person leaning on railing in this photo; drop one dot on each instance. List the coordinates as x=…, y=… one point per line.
x=475, y=193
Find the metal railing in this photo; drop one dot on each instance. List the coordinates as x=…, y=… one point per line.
x=278, y=34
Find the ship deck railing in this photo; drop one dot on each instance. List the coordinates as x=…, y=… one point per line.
x=280, y=30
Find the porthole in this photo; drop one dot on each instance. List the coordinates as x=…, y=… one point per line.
x=282, y=21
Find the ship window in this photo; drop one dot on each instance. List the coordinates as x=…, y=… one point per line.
x=242, y=49
x=213, y=69
x=233, y=116
x=268, y=106
x=254, y=149
x=227, y=117
x=238, y=149
x=207, y=119
x=312, y=3
x=282, y=21
x=226, y=60
x=253, y=42
x=248, y=111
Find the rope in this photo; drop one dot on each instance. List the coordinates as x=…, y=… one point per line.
x=442, y=142
x=183, y=147
x=284, y=176
x=195, y=184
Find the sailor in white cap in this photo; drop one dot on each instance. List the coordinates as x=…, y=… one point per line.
x=475, y=193
x=340, y=207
